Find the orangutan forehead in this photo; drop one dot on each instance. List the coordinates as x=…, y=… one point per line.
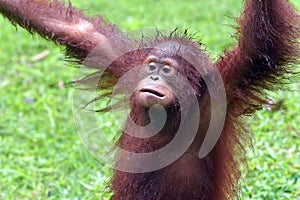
x=167, y=49
x=162, y=60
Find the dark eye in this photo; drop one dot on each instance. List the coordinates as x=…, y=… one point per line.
x=152, y=66
x=167, y=69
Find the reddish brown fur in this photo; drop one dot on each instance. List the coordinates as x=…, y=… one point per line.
x=56, y=22
x=267, y=44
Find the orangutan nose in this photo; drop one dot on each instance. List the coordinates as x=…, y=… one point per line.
x=154, y=77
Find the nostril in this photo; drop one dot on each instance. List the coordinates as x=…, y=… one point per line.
x=154, y=78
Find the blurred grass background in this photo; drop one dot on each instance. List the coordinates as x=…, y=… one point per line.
x=42, y=157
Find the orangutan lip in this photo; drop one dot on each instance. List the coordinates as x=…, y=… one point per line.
x=152, y=91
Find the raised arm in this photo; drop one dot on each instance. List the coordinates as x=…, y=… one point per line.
x=268, y=41
x=60, y=23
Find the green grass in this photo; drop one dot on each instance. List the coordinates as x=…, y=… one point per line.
x=41, y=155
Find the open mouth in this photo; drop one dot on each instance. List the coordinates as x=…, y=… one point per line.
x=153, y=92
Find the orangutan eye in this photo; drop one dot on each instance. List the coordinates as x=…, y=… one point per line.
x=167, y=69
x=152, y=66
